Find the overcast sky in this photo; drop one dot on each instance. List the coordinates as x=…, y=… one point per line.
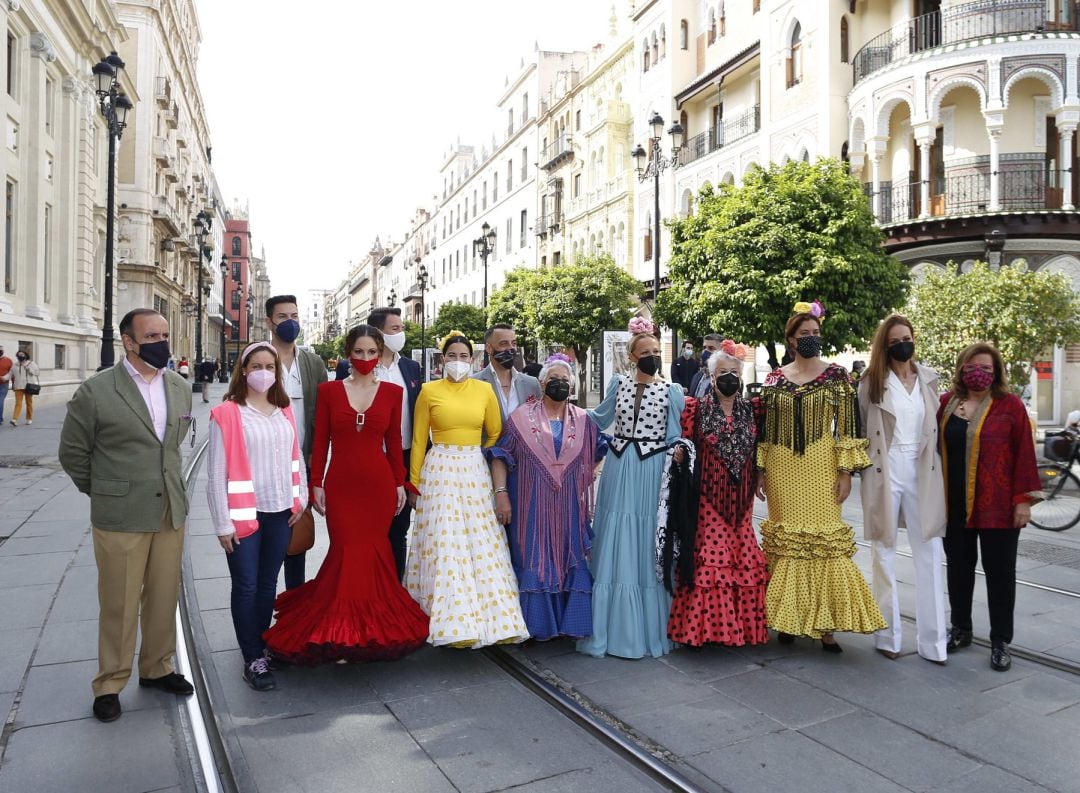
x=332, y=118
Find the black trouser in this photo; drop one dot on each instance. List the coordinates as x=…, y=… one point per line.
x=999, y=564
x=399, y=529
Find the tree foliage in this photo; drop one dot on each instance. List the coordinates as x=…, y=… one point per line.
x=801, y=231
x=507, y=304
x=569, y=304
x=470, y=320
x=329, y=349
x=412, y=338
x=1024, y=314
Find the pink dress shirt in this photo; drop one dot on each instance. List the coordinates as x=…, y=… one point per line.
x=153, y=394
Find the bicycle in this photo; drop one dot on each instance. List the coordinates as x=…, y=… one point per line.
x=1059, y=508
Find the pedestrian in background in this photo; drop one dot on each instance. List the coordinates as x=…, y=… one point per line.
x=403, y=372
x=701, y=384
x=256, y=492
x=630, y=607
x=301, y=374
x=458, y=568
x=5, y=380
x=513, y=388
x=991, y=479
x=204, y=370
x=808, y=451
x=685, y=367
x=183, y=367
x=355, y=608
x=26, y=382
x=898, y=401
x=543, y=469
x=120, y=445
x=532, y=368
x=722, y=598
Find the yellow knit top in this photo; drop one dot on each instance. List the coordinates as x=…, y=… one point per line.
x=456, y=414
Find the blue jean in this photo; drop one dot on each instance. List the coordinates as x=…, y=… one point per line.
x=254, y=565
x=3, y=395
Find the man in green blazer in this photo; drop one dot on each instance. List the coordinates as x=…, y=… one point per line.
x=301, y=372
x=121, y=446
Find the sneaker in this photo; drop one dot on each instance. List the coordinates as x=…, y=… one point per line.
x=257, y=674
x=29, y=422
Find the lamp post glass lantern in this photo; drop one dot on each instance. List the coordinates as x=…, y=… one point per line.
x=422, y=281
x=484, y=246
x=114, y=106
x=656, y=165
x=224, y=373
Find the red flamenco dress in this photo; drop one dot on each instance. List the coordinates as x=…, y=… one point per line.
x=726, y=604
x=355, y=609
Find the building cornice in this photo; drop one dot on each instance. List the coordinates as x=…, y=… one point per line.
x=721, y=71
x=644, y=9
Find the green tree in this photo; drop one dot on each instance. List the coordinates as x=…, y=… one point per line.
x=412, y=338
x=507, y=304
x=1024, y=314
x=329, y=349
x=571, y=304
x=801, y=231
x=470, y=320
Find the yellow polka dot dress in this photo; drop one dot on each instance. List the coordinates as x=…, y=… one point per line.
x=810, y=435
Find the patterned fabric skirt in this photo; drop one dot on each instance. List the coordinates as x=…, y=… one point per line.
x=458, y=566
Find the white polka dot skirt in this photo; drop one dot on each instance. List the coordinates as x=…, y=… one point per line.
x=458, y=567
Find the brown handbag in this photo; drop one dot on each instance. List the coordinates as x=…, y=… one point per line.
x=303, y=534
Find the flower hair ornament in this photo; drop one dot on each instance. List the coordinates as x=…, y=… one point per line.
x=559, y=357
x=738, y=351
x=450, y=335
x=641, y=325
x=815, y=309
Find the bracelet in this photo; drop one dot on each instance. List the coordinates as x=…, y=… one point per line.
x=500, y=490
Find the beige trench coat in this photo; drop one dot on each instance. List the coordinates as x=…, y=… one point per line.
x=878, y=422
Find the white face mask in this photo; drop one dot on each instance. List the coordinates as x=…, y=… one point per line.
x=456, y=371
x=395, y=341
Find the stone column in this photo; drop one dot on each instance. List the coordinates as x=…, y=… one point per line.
x=925, y=134
x=995, y=176
x=1065, y=133
x=32, y=249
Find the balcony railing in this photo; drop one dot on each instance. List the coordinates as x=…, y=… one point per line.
x=1031, y=188
x=730, y=130
x=556, y=153
x=959, y=23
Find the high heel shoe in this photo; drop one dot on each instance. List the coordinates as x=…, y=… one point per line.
x=831, y=647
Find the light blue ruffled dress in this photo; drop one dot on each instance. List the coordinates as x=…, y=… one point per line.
x=630, y=607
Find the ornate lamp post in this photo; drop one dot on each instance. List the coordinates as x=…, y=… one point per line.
x=238, y=295
x=114, y=106
x=224, y=297
x=484, y=246
x=202, y=225
x=392, y=299
x=422, y=282
x=656, y=166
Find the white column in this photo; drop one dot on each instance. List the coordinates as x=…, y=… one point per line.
x=875, y=180
x=925, y=146
x=1066, y=133
x=995, y=177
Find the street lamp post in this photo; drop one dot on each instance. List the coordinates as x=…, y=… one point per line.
x=114, y=106
x=203, y=222
x=656, y=166
x=392, y=299
x=224, y=297
x=484, y=246
x=422, y=282
x=238, y=293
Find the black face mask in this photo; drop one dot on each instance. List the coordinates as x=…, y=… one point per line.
x=649, y=364
x=728, y=384
x=902, y=351
x=155, y=353
x=505, y=358
x=559, y=390
x=808, y=346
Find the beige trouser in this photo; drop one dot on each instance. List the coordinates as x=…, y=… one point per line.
x=136, y=569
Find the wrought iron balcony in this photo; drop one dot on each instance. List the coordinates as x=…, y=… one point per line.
x=967, y=22
x=556, y=153
x=731, y=130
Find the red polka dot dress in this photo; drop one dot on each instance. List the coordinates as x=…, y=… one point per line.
x=726, y=604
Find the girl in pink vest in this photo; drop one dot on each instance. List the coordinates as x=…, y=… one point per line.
x=256, y=493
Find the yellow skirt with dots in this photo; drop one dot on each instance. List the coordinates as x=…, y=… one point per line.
x=814, y=586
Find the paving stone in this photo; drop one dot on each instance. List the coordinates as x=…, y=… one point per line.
x=220, y=632
x=213, y=593
x=430, y=670
x=42, y=544
x=708, y=663
x=61, y=692
x=495, y=736
x=300, y=691
x=39, y=526
x=203, y=545
x=898, y=753
x=77, y=599
x=199, y=527
x=654, y=686
x=338, y=751
x=603, y=778
x=85, y=555
x=62, y=642
x=988, y=779
x=579, y=669
x=785, y=699
x=16, y=649
x=1040, y=693
x=131, y=755
x=209, y=565
x=690, y=728
x=45, y=568
x=25, y=607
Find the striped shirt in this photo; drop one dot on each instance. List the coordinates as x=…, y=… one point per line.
x=268, y=440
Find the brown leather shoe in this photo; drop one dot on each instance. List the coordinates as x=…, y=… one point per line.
x=107, y=707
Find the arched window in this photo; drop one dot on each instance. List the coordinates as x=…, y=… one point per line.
x=655, y=49
x=684, y=35
x=723, y=19
x=712, y=26
x=645, y=55
x=236, y=251
x=685, y=122
x=663, y=41
x=844, y=156
x=843, y=40
x=794, y=61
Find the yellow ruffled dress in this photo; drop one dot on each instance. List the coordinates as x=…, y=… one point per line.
x=810, y=434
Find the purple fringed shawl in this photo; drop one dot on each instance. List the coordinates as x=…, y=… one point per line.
x=551, y=484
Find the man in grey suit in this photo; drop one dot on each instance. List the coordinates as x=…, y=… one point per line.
x=121, y=446
x=301, y=371
x=513, y=388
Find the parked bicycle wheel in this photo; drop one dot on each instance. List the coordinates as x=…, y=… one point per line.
x=1060, y=505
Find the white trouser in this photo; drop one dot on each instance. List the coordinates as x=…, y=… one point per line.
x=927, y=556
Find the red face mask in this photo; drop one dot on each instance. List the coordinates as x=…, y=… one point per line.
x=364, y=367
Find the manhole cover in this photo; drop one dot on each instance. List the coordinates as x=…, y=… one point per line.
x=1050, y=553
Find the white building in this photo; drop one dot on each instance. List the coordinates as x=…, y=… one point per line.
x=312, y=315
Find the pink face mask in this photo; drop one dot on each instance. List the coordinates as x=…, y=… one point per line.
x=977, y=379
x=260, y=380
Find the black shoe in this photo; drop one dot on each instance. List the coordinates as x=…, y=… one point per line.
x=107, y=707
x=785, y=638
x=173, y=683
x=958, y=639
x=831, y=647
x=257, y=674
x=1000, y=659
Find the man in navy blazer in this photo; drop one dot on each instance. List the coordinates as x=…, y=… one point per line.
x=406, y=373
